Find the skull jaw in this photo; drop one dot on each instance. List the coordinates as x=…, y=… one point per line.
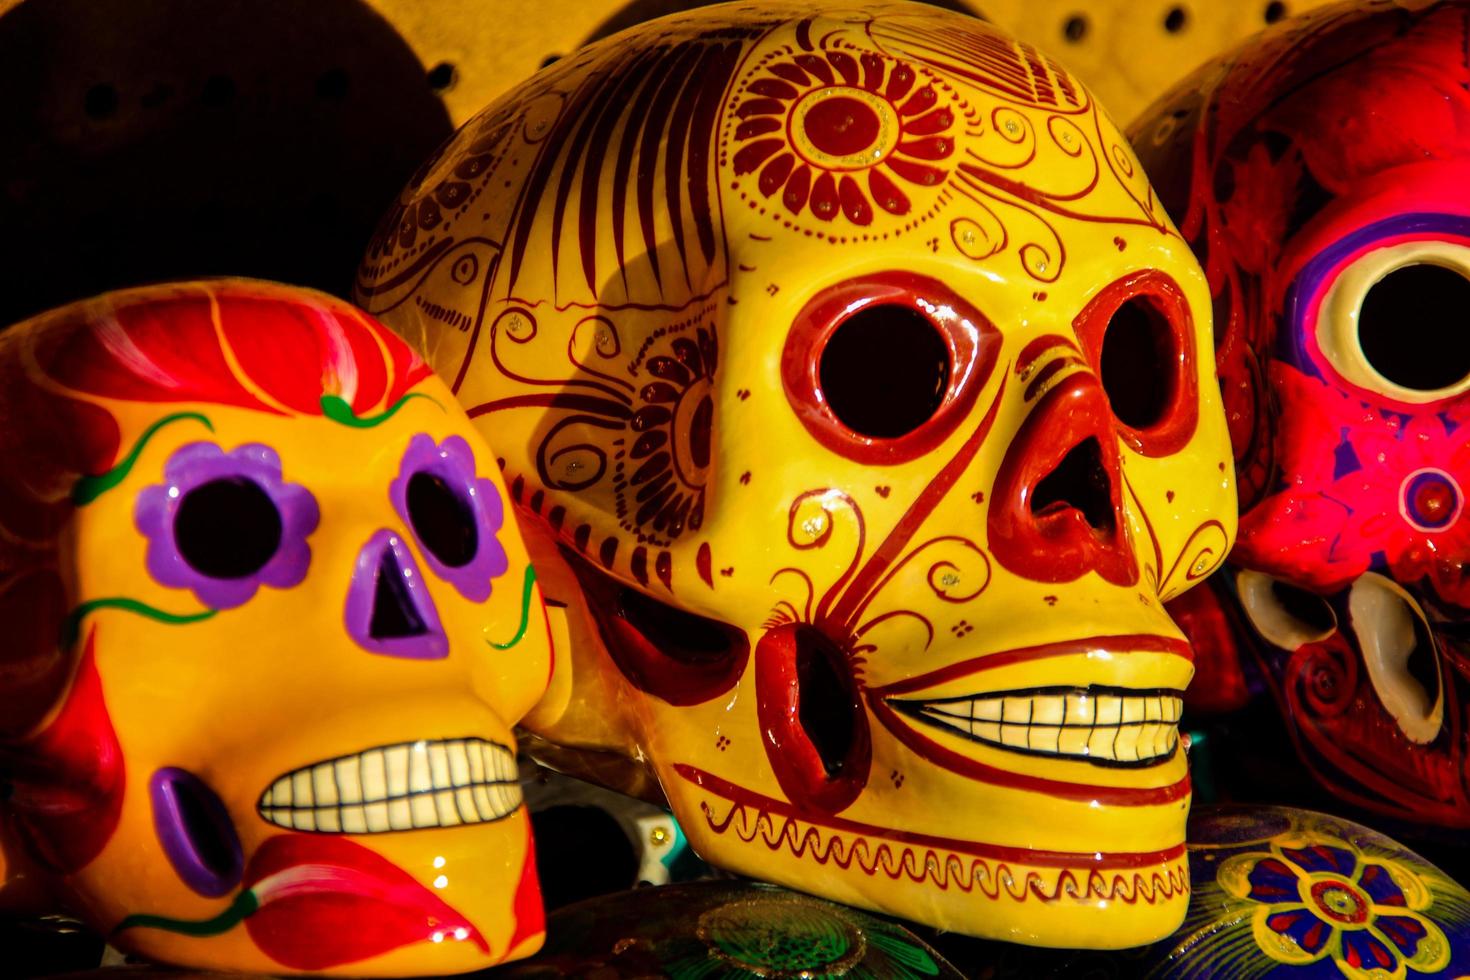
x=1010, y=894
x=328, y=903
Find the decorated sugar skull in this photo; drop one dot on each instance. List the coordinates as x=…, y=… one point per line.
x=856, y=394
x=1321, y=174
x=269, y=629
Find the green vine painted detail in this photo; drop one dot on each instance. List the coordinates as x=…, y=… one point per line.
x=526, y=591
x=336, y=408
x=89, y=488
x=241, y=908
x=71, y=628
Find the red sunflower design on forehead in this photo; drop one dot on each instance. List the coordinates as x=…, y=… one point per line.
x=840, y=133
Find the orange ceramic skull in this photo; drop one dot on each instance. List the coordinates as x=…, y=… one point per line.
x=858, y=393
x=295, y=628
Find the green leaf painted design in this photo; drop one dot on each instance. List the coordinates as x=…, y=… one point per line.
x=89, y=488
x=526, y=587
x=336, y=408
x=71, y=627
x=241, y=908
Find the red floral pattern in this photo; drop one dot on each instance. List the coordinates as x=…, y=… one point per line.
x=839, y=134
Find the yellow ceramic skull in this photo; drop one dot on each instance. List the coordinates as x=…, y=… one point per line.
x=295, y=628
x=857, y=397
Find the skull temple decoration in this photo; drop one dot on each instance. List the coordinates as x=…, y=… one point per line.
x=855, y=394
x=296, y=626
x=1321, y=173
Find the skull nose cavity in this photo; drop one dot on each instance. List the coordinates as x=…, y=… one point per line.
x=1079, y=482
x=824, y=703
x=1399, y=650
x=812, y=718
x=394, y=613
x=1056, y=509
x=389, y=610
x=196, y=832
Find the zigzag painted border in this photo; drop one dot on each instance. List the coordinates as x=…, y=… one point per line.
x=941, y=869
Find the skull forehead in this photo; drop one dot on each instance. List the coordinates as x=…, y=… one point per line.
x=651, y=207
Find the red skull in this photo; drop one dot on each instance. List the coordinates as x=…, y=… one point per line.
x=1321, y=174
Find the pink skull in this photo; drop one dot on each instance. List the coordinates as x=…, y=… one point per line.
x=1320, y=172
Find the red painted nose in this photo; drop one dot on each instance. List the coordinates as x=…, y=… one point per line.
x=1057, y=509
x=813, y=724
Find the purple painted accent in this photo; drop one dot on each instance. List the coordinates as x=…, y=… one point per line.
x=387, y=554
x=196, y=832
x=1313, y=277
x=453, y=461
x=196, y=464
x=1345, y=458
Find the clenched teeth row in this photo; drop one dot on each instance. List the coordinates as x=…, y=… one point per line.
x=1105, y=728
x=408, y=786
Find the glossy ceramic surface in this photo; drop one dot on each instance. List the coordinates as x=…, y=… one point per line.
x=1320, y=174
x=269, y=627
x=802, y=339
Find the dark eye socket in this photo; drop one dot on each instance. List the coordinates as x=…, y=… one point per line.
x=1139, y=363
x=1411, y=327
x=227, y=528
x=443, y=520
x=884, y=371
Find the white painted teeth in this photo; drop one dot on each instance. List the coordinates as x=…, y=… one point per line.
x=408, y=786
x=1105, y=726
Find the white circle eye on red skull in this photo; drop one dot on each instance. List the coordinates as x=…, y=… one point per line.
x=442, y=519
x=1139, y=364
x=884, y=371
x=1412, y=327
x=227, y=528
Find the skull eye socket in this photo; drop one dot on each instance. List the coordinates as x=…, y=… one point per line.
x=227, y=528
x=1391, y=320
x=1139, y=335
x=882, y=368
x=223, y=524
x=884, y=371
x=1411, y=327
x=443, y=520
x=1138, y=364
x=453, y=512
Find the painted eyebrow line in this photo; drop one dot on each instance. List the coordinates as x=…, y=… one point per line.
x=336, y=408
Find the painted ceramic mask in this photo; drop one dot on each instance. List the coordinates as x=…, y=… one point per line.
x=295, y=627
x=1320, y=173
x=798, y=336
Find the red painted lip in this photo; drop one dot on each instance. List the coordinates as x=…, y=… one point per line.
x=1121, y=645
x=740, y=796
x=326, y=901
x=971, y=768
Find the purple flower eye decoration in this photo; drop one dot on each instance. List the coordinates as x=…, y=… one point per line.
x=223, y=524
x=454, y=514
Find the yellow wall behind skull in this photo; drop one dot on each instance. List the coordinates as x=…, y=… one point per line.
x=1127, y=51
